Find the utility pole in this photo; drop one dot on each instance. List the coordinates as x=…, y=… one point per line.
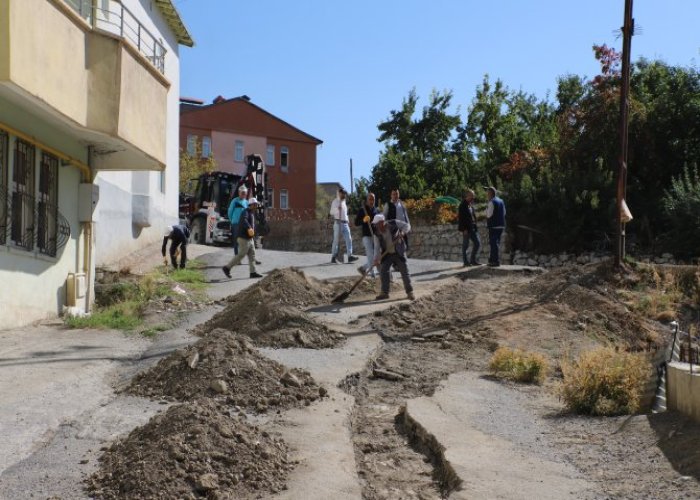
x=627, y=32
x=351, y=183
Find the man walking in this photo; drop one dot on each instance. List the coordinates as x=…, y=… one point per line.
x=496, y=223
x=467, y=226
x=246, y=241
x=179, y=234
x=237, y=206
x=389, y=238
x=339, y=213
x=394, y=209
x=364, y=218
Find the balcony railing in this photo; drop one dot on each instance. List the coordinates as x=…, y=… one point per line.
x=112, y=17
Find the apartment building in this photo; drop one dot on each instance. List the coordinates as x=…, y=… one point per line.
x=231, y=129
x=89, y=96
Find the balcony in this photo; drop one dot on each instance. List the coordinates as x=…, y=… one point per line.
x=112, y=17
x=95, y=74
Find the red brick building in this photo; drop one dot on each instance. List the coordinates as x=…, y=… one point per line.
x=231, y=129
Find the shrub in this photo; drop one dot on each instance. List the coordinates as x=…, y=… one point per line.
x=518, y=365
x=604, y=382
x=681, y=204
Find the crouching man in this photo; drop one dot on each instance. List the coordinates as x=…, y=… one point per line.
x=390, y=250
x=179, y=234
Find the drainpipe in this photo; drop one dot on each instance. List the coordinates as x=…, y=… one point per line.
x=87, y=240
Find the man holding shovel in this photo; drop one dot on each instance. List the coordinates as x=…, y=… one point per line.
x=389, y=237
x=364, y=218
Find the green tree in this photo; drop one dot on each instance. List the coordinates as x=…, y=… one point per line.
x=192, y=166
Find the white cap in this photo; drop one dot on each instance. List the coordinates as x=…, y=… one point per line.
x=167, y=230
x=253, y=201
x=378, y=218
x=242, y=189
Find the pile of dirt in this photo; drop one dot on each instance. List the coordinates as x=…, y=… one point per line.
x=227, y=367
x=270, y=313
x=194, y=450
x=588, y=293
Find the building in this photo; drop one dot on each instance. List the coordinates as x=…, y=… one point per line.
x=231, y=129
x=85, y=174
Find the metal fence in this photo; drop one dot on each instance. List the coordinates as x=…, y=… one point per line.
x=112, y=17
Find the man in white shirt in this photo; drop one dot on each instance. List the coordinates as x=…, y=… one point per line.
x=339, y=214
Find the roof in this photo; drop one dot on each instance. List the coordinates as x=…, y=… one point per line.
x=172, y=17
x=219, y=101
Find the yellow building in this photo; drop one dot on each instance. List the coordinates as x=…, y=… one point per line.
x=89, y=95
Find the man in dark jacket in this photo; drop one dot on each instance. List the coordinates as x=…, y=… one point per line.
x=364, y=218
x=179, y=234
x=246, y=241
x=391, y=250
x=467, y=226
x=496, y=223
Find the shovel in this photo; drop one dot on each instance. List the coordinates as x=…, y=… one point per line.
x=341, y=297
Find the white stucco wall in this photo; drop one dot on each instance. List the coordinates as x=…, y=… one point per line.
x=115, y=232
x=33, y=285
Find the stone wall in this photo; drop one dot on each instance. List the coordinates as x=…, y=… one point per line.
x=426, y=241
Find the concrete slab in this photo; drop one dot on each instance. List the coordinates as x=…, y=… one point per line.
x=487, y=451
x=327, y=468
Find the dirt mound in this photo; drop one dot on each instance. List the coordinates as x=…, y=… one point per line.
x=194, y=450
x=589, y=293
x=227, y=367
x=270, y=312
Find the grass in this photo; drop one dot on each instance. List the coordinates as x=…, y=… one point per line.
x=520, y=366
x=604, y=382
x=123, y=305
x=126, y=315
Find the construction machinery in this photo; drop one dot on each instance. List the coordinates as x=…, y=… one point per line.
x=206, y=210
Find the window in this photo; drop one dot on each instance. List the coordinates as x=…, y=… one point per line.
x=284, y=158
x=240, y=152
x=192, y=145
x=22, y=229
x=206, y=147
x=270, y=198
x=3, y=186
x=284, y=199
x=162, y=181
x=47, y=206
x=270, y=160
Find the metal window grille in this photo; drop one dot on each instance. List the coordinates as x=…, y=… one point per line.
x=47, y=207
x=4, y=140
x=22, y=210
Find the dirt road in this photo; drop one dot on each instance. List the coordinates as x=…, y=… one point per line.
x=408, y=408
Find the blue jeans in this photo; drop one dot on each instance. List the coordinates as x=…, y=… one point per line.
x=341, y=227
x=495, y=243
x=368, y=243
x=472, y=236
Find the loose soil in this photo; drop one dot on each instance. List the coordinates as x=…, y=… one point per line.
x=557, y=314
x=271, y=312
x=227, y=367
x=194, y=450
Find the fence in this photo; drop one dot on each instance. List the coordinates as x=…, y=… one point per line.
x=112, y=17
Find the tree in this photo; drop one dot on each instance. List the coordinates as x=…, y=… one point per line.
x=192, y=166
x=417, y=156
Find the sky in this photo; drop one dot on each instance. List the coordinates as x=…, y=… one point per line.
x=336, y=69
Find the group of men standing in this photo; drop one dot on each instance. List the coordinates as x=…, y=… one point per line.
x=385, y=234
x=495, y=223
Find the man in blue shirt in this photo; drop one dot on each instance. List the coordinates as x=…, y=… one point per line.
x=496, y=223
x=237, y=206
